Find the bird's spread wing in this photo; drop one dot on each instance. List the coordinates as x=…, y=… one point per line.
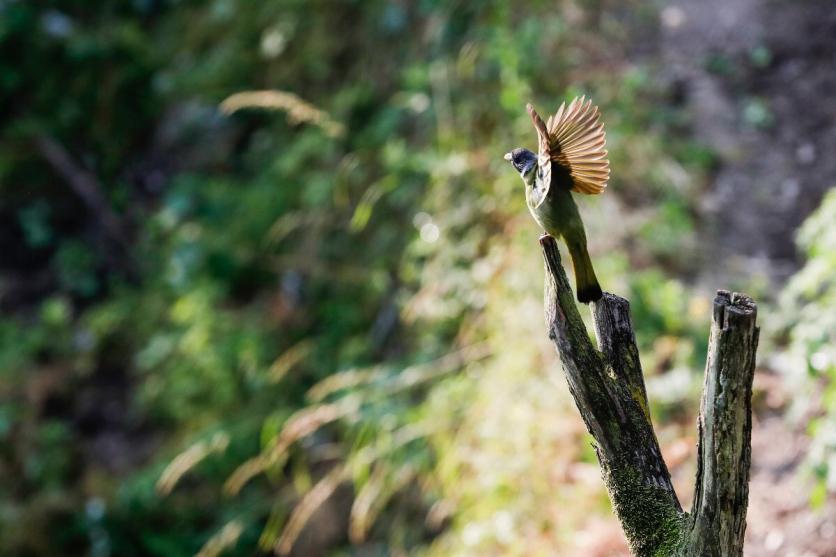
x=576, y=142
x=543, y=179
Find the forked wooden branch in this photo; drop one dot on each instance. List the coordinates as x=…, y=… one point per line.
x=608, y=387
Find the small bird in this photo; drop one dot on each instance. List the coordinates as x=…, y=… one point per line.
x=571, y=158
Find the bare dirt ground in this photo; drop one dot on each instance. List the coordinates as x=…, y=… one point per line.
x=780, y=521
x=759, y=78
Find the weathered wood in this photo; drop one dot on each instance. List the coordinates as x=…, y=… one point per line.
x=725, y=428
x=608, y=388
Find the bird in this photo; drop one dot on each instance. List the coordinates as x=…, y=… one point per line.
x=571, y=158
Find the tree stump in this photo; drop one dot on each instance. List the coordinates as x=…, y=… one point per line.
x=608, y=388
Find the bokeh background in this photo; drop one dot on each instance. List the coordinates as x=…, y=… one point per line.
x=267, y=284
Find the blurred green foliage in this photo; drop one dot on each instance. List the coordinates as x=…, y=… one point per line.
x=315, y=339
x=809, y=301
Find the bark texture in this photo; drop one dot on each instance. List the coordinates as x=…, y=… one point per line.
x=608, y=388
x=725, y=426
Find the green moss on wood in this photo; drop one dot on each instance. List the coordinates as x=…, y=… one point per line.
x=652, y=524
x=608, y=388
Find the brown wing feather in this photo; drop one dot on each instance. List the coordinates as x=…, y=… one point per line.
x=544, y=156
x=576, y=142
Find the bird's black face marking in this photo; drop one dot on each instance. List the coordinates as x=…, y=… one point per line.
x=523, y=160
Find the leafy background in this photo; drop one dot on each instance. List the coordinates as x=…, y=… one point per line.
x=267, y=284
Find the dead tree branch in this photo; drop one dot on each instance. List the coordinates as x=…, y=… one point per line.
x=608, y=388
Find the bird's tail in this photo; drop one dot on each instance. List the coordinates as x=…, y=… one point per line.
x=585, y=281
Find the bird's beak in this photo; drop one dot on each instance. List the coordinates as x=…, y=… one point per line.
x=507, y=156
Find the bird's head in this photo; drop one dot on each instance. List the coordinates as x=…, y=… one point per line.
x=525, y=162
